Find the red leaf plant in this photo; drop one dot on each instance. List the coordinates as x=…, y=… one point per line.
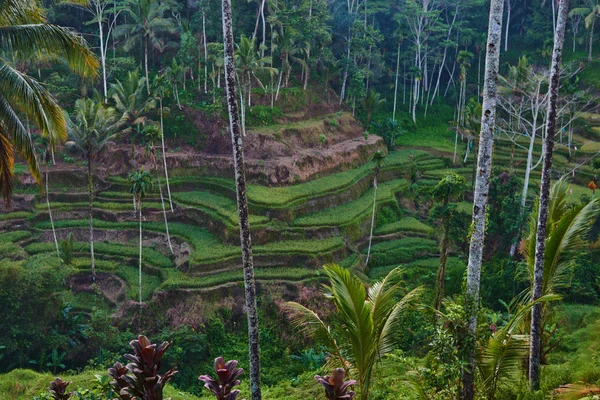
x=335, y=387
x=140, y=379
x=228, y=378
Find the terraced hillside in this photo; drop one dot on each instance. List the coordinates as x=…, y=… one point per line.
x=296, y=228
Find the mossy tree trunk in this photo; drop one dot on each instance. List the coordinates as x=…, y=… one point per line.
x=535, y=342
x=482, y=187
x=242, y=201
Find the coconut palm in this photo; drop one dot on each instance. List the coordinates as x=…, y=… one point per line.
x=160, y=89
x=330, y=70
x=175, y=73
x=93, y=129
x=141, y=184
x=366, y=322
x=482, y=185
x=535, y=347
x=147, y=25
x=47, y=156
x=378, y=158
x=566, y=231
x=133, y=102
x=590, y=12
x=153, y=134
x=248, y=64
x=242, y=200
x=25, y=35
x=371, y=103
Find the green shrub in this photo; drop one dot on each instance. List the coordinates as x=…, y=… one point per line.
x=262, y=115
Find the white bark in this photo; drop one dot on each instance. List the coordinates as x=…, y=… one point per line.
x=482, y=185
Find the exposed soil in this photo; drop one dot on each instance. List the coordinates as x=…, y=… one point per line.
x=111, y=286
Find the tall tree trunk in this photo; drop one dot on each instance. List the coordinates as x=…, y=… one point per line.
x=162, y=139
x=482, y=186
x=102, y=57
x=540, y=243
x=508, y=10
x=140, y=262
x=205, y=53
x=242, y=202
x=51, y=220
x=590, y=55
x=372, y=217
x=146, y=65
x=91, y=198
x=441, y=274
x=396, y=82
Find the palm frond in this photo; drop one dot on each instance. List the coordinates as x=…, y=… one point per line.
x=36, y=40
x=308, y=322
x=7, y=161
x=19, y=12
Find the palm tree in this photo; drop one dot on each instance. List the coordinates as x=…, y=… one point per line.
x=153, y=133
x=248, y=64
x=242, y=200
x=482, y=186
x=26, y=35
x=378, y=158
x=330, y=70
x=535, y=343
x=174, y=72
x=145, y=29
x=94, y=128
x=366, y=322
x=161, y=88
x=133, y=102
x=141, y=184
x=371, y=104
x=463, y=59
x=449, y=188
x=591, y=11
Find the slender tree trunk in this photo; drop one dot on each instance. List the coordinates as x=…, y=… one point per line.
x=590, y=55
x=396, y=82
x=205, y=53
x=242, y=201
x=508, y=10
x=51, y=220
x=535, y=343
x=91, y=198
x=102, y=57
x=146, y=65
x=162, y=139
x=372, y=217
x=482, y=187
x=140, y=264
x=441, y=274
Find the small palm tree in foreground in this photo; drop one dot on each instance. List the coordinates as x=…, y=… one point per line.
x=141, y=184
x=367, y=320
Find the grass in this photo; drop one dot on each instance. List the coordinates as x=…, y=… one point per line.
x=406, y=224
x=222, y=207
x=149, y=255
x=208, y=248
x=177, y=280
x=355, y=210
x=401, y=251
x=15, y=215
x=24, y=384
x=14, y=236
x=107, y=206
x=130, y=275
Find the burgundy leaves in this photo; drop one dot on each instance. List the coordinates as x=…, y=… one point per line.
x=335, y=387
x=58, y=389
x=227, y=374
x=140, y=378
